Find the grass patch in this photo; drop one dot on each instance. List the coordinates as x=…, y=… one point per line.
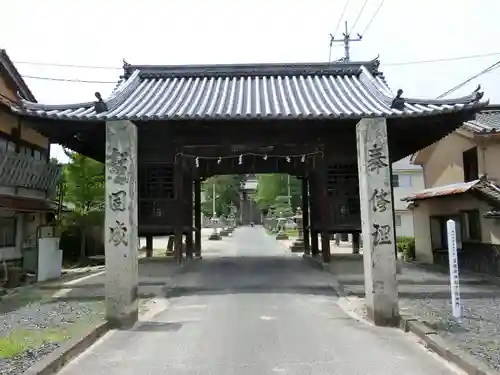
x=19, y=340
x=289, y=232
x=161, y=253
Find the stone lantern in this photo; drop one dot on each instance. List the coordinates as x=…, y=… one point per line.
x=224, y=227
x=298, y=244
x=281, y=225
x=231, y=219
x=215, y=235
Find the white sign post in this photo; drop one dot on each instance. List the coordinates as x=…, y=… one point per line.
x=454, y=276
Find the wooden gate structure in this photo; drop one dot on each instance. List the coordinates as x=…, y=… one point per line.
x=192, y=122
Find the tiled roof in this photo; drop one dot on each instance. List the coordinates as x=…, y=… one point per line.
x=8, y=66
x=493, y=214
x=487, y=121
x=485, y=188
x=26, y=204
x=258, y=91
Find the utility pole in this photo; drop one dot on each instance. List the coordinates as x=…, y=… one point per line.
x=346, y=40
x=289, y=194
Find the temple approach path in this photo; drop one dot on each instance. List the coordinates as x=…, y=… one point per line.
x=253, y=308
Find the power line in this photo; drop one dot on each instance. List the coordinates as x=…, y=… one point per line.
x=444, y=59
x=340, y=18
x=359, y=15
x=332, y=36
x=68, y=65
x=430, y=61
x=68, y=79
x=484, y=71
x=347, y=42
x=373, y=17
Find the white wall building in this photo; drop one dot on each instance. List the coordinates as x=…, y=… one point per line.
x=407, y=179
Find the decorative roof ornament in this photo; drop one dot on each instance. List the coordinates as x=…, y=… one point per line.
x=398, y=102
x=479, y=94
x=376, y=65
x=100, y=106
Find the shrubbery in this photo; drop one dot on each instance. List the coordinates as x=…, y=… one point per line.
x=406, y=246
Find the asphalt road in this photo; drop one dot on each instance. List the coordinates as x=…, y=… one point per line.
x=253, y=308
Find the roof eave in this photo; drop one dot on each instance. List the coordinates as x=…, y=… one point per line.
x=15, y=77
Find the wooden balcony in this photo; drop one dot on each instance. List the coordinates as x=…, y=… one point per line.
x=21, y=171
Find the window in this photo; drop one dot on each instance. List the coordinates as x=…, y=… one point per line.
x=5, y=145
x=470, y=162
x=397, y=220
x=467, y=224
x=401, y=180
x=471, y=227
x=32, y=153
x=439, y=234
x=7, y=232
x=26, y=151
x=37, y=155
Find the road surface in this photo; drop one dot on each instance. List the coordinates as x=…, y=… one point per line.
x=253, y=308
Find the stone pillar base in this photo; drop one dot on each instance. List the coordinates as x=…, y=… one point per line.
x=399, y=268
x=380, y=318
x=214, y=237
x=298, y=247
x=123, y=322
x=281, y=236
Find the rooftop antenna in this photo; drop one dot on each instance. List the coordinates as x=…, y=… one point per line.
x=346, y=40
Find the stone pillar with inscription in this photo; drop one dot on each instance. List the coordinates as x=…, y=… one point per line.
x=381, y=291
x=121, y=221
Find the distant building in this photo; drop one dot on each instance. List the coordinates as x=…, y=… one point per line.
x=407, y=178
x=27, y=178
x=248, y=211
x=461, y=174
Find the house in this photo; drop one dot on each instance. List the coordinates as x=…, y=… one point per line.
x=27, y=178
x=461, y=176
x=407, y=178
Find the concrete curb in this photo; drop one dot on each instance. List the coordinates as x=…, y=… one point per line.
x=451, y=353
x=428, y=335
x=13, y=292
x=55, y=361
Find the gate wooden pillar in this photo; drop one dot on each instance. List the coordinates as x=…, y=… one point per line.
x=149, y=246
x=197, y=218
x=356, y=242
x=179, y=203
x=305, y=215
x=325, y=208
x=313, y=214
x=189, y=228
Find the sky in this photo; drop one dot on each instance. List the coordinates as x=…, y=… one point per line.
x=103, y=33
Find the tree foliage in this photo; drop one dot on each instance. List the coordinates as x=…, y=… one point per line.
x=83, y=184
x=227, y=191
x=272, y=193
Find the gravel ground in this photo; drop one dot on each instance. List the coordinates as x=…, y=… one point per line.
x=60, y=317
x=47, y=322
x=425, y=293
x=478, y=332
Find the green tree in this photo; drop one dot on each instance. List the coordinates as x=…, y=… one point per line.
x=272, y=192
x=83, y=195
x=227, y=191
